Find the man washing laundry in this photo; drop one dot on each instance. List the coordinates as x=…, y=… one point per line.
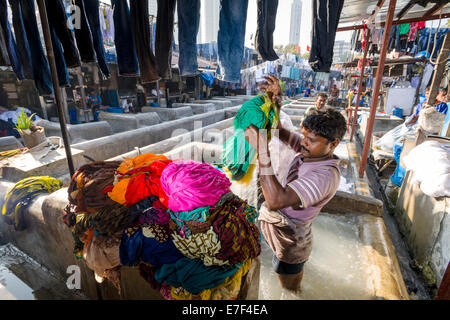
x=311, y=181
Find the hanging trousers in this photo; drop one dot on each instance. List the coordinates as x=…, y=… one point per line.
x=10, y=43
x=267, y=13
x=140, y=26
x=83, y=35
x=123, y=39
x=4, y=57
x=39, y=63
x=230, y=39
x=188, y=23
x=164, y=37
x=326, y=15
x=93, y=16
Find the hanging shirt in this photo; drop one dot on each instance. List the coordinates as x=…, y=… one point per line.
x=404, y=28
x=412, y=31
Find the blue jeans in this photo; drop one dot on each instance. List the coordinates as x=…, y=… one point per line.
x=61, y=66
x=10, y=43
x=123, y=38
x=188, y=22
x=92, y=14
x=39, y=64
x=83, y=35
x=230, y=39
x=21, y=40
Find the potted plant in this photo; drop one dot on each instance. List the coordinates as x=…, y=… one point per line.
x=32, y=135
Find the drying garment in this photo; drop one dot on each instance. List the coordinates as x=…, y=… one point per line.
x=111, y=219
x=188, y=24
x=22, y=194
x=4, y=57
x=267, y=13
x=102, y=254
x=86, y=189
x=138, y=247
x=39, y=63
x=58, y=21
x=123, y=40
x=190, y=184
x=326, y=15
x=164, y=37
x=21, y=39
x=139, y=161
x=230, y=38
x=237, y=152
x=92, y=14
x=83, y=34
x=404, y=29
x=203, y=246
x=107, y=23
x=239, y=236
x=193, y=275
x=227, y=290
x=10, y=42
x=140, y=25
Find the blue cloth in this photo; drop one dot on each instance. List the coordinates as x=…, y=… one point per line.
x=193, y=275
x=188, y=22
x=399, y=174
x=446, y=124
x=307, y=92
x=94, y=100
x=440, y=107
x=123, y=39
x=230, y=38
x=139, y=248
x=208, y=78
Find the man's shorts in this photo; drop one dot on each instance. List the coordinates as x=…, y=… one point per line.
x=281, y=267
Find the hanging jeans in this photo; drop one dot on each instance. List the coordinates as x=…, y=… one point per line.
x=83, y=35
x=93, y=16
x=267, y=12
x=140, y=25
x=10, y=43
x=57, y=19
x=4, y=57
x=123, y=39
x=326, y=15
x=39, y=63
x=188, y=23
x=21, y=39
x=164, y=37
x=230, y=39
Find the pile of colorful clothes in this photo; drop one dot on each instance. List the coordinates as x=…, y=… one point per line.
x=177, y=221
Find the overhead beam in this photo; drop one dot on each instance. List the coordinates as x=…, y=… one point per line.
x=396, y=22
x=375, y=11
x=402, y=12
x=435, y=9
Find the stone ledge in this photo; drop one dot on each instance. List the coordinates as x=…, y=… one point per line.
x=344, y=202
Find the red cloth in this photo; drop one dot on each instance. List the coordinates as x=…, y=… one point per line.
x=421, y=25
x=145, y=182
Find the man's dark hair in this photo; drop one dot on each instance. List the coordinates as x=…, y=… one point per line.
x=322, y=94
x=329, y=124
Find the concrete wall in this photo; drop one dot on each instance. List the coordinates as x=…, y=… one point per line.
x=382, y=123
x=117, y=144
x=198, y=108
x=121, y=122
x=167, y=114
x=425, y=223
x=77, y=132
x=220, y=103
x=9, y=143
x=235, y=101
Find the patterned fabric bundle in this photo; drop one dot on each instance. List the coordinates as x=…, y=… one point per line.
x=190, y=185
x=86, y=190
x=20, y=196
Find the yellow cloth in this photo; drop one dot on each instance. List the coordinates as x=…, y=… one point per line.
x=228, y=290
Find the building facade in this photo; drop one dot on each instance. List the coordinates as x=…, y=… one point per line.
x=296, y=17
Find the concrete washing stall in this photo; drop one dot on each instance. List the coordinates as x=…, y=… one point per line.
x=9, y=143
x=121, y=122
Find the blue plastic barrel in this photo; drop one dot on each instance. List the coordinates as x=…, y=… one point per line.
x=398, y=112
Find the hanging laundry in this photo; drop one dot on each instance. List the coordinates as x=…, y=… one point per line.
x=107, y=23
x=88, y=182
x=164, y=37
x=142, y=41
x=188, y=24
x=123, y=40
x=267, y=12
x=193, y=275
x=190, y=184
x=9, y=41
x=20, y=196
x=92, y=14
x=230, y=38
x=237, y=152
x=326, y=15
x=83, y=35
x=4, y=56
x=404, y=28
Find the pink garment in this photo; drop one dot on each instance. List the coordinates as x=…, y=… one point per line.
x=190, y=185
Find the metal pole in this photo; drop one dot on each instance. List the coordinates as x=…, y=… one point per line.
x=56, y=88
x=376, y=89
x=358, y=97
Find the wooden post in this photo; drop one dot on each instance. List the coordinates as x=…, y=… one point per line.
x=439, y=70
x=376, y=90
x=56, y=88
x=361, y=78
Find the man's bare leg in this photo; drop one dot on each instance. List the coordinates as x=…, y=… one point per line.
x=291, y=281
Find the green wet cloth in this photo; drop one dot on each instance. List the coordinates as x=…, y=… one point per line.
x=237, y=152
x=404, y=29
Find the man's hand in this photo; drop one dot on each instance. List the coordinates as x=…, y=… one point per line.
x=272, y=87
